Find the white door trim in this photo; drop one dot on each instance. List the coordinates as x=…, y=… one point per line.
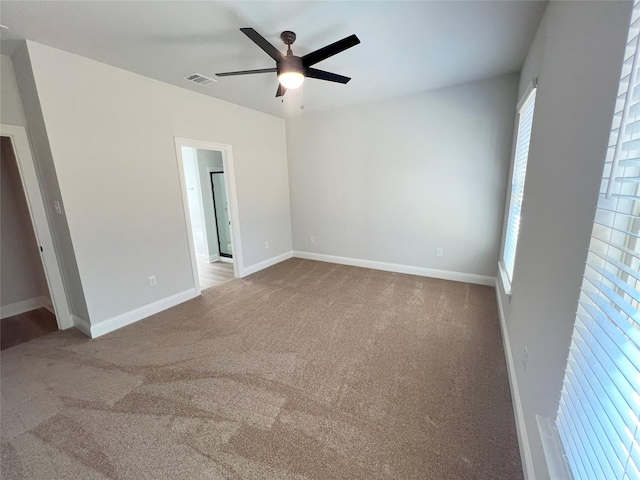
x=31, y=185
x=227, y=163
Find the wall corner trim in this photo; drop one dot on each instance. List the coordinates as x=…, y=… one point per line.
x=101, y=328
x=523, y=439
x=82, y=325
x=397, y=268
x=256, y=267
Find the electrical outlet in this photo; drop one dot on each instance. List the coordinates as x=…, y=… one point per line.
x=266, y=244
x=525, y=358
x=153, y=281
x=313, y=239
x=439, y=252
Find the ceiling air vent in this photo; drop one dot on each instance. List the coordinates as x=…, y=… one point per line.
x=200, y=79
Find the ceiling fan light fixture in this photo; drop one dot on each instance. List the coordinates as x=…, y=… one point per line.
x=291, y=68
x=291, y=80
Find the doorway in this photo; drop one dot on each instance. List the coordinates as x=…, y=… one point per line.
x=210, y=205
x=26, y=307
x=43, y=256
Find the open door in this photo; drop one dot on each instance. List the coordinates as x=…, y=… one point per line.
x=17, y=135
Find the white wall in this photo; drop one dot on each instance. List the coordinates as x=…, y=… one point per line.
x=111, y=134
x=198, y=164
x=21, y=274
x=394, y=180
x=192, y=182
x=576, y=56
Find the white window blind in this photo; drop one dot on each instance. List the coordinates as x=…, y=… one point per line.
x=600, y=402
x=525, y=120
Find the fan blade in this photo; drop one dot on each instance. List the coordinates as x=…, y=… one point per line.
x=322, y=75
x=247, y=72
x=262, y=42
x=281, y=91
x=330, y=50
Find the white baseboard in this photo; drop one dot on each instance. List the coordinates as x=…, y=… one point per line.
x=24, y=306
x=208, y=258
x=82, y=325
x=521, y=428
x=397, y=268
x=111, y=324
x=256, y=267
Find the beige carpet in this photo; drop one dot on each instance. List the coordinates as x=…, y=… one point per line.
x=304, y=370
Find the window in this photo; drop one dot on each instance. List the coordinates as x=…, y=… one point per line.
x=521, y=154
x=600, y=402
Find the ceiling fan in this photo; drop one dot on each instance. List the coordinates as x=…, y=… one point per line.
x=292, y=69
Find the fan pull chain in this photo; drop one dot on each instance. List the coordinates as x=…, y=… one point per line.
x=301, y=95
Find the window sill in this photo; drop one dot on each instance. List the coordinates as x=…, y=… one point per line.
x=553, y=451
x=504, y=279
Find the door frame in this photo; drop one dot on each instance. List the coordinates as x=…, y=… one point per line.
x=210, y=170
x=215, y=213
x=37, y=211
x=230, y=179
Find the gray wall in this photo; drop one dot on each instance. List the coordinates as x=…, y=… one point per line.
x=394, y=180
x=49, y=183
x=192, y=182
x=11, y=110
x=111, y=134
x=21, y=273
x=576, y=56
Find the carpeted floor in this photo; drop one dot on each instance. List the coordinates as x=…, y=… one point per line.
x=304, y=370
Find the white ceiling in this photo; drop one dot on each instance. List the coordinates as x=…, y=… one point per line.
x=407, y=47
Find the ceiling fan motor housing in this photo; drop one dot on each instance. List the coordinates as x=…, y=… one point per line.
x=291, y=63
x=288, y=37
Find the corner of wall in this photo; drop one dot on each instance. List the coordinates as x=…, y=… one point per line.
x=45, y=167
x=246, y=271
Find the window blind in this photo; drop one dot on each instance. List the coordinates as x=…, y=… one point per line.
x=598, y=416
x=521, y=154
